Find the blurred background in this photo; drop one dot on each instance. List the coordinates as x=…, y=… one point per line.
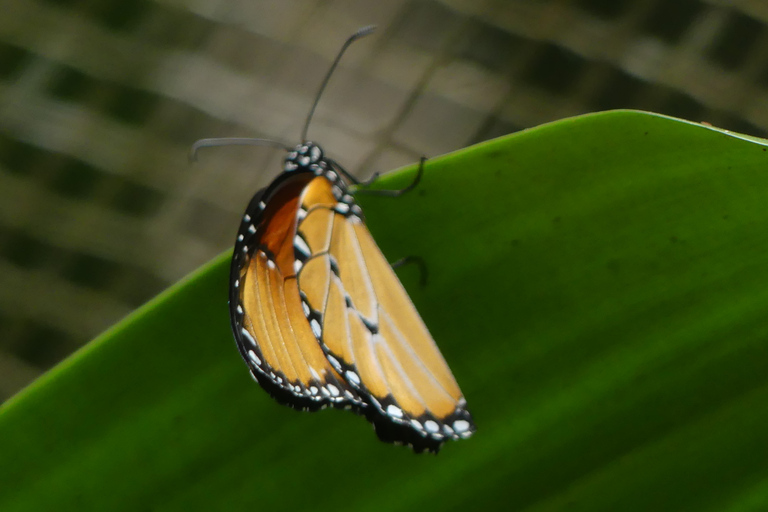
x=101, y=99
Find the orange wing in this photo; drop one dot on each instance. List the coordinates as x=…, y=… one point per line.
x=368, y=327
x=271, y=330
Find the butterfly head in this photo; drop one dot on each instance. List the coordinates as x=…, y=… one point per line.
x=306, y=156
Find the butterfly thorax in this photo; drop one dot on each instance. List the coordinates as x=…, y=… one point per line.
x=309, y=157
x=306, y=156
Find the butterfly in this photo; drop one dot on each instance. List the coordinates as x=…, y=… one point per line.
x=319, y=315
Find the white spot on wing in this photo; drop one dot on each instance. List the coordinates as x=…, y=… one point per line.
x=297, y=265
x=461, y=426
x=246, y=218
x=252, y=355
x=262, y=205
x=334, y=362
x=394, y=411
x=248, y=336
x=316, y=329
x=240, y=309
x=240, y=238
x=431, y=426
x=301, y=245
x=352, y=377
x=251, y=228
x=333, y=389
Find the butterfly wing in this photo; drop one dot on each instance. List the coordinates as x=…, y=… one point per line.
x=270, y=328
x=369, y=328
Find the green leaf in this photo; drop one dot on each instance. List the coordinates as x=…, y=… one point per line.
x=598, y=285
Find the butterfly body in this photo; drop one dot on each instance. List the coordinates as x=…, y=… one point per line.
x=321, y=319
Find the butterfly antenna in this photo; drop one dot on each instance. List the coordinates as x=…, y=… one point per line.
x=232, y=141
x=354, y=37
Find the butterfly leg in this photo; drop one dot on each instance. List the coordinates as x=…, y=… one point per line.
x=369, y=181
x=338, y=168
x=423, y=274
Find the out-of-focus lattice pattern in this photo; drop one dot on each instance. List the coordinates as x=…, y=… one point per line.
x=100, y=100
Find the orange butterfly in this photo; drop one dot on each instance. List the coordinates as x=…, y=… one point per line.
x=319, y=315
